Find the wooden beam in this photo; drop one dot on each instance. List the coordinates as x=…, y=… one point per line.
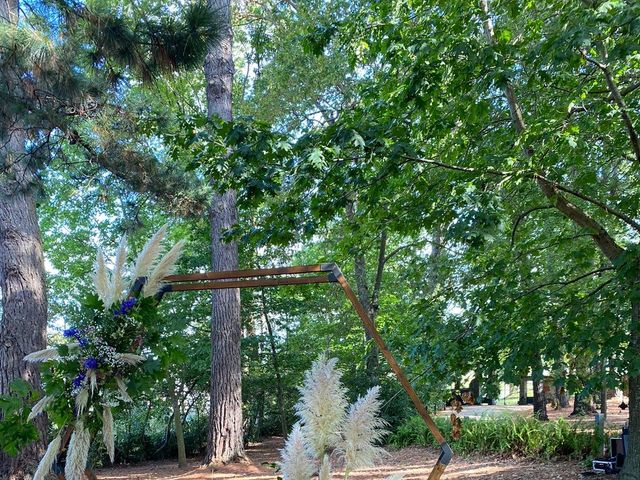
x=260, y=282
x=248, y=273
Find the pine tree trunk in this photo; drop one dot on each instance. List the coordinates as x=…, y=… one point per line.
x=631, y=469
x=22, y=283
x=225, y=439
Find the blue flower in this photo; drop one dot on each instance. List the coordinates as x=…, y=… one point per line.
x=70, y=332
x=91, y=363
x=77, y=382
x=82, y=341
x=125, y=307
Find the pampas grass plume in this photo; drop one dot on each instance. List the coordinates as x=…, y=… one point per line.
x=117, y=279
x=325, y=469
x=165, y=267
x=43, y=355
x=77, y=453
x=44, y=467
x=101, y=280
x=107, y=432
x=122, y=387
x=361, y=431
x=39, y=407
x=149, y=254
x=296, y=464
x=322, y=405
x=131, y=358
x=81, y=400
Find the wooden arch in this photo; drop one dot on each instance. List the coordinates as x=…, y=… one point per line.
x=305, y=275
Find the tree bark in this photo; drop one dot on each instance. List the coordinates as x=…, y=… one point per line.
x=225, y=439
x=522, y=400
x=539, y=397
x=631, y=469
x=23, y=325
x=22, y=283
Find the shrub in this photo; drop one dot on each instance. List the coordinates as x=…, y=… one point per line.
x=526, y=437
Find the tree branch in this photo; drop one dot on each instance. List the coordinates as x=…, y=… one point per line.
x=619, y=99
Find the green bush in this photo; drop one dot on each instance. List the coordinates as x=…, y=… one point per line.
x=526, y=437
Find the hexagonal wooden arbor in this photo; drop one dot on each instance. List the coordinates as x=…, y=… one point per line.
x=305, y=275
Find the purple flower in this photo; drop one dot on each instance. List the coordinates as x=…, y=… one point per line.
x=77, y=382
x=91, y=363
x=70, y=332
x=125, y=307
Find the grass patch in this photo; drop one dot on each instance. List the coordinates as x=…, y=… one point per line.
x=526, y=437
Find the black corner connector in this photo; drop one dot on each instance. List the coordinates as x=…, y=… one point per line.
x=445, y=454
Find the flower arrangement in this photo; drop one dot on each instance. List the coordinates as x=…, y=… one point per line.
x=90, y=374
x=328, y=426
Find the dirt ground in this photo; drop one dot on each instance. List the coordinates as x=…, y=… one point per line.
x=414, y=463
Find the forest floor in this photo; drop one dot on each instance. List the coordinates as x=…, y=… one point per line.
x=413, y=462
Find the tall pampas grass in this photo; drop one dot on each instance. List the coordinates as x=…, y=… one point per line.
x=101, y=280
x=81, y=400
x=93, y=379
x=44, y=467
x=43, y=355
x=130, y=358
x=163, y=268
x=325, y=469
x=362, y=430
x=122, y=388
x=39, y=407
x=117, y=278
x=107, y=432
x=149, y=254
x=322, y=405
x=296, y=463
x=77, y=453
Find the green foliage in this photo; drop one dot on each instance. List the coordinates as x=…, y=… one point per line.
x=15, y=430
x=515, y=435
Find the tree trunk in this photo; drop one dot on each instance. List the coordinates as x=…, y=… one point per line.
x=177, y=423
x=582, y=404
x=522, y=400
x=276, y=368
x=22, y=283
x=225, y=440
x=539, y=397
x=631, y=469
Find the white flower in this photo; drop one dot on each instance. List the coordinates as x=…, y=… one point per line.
x=296, y=464
x=362, y=430
x=322, y=404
